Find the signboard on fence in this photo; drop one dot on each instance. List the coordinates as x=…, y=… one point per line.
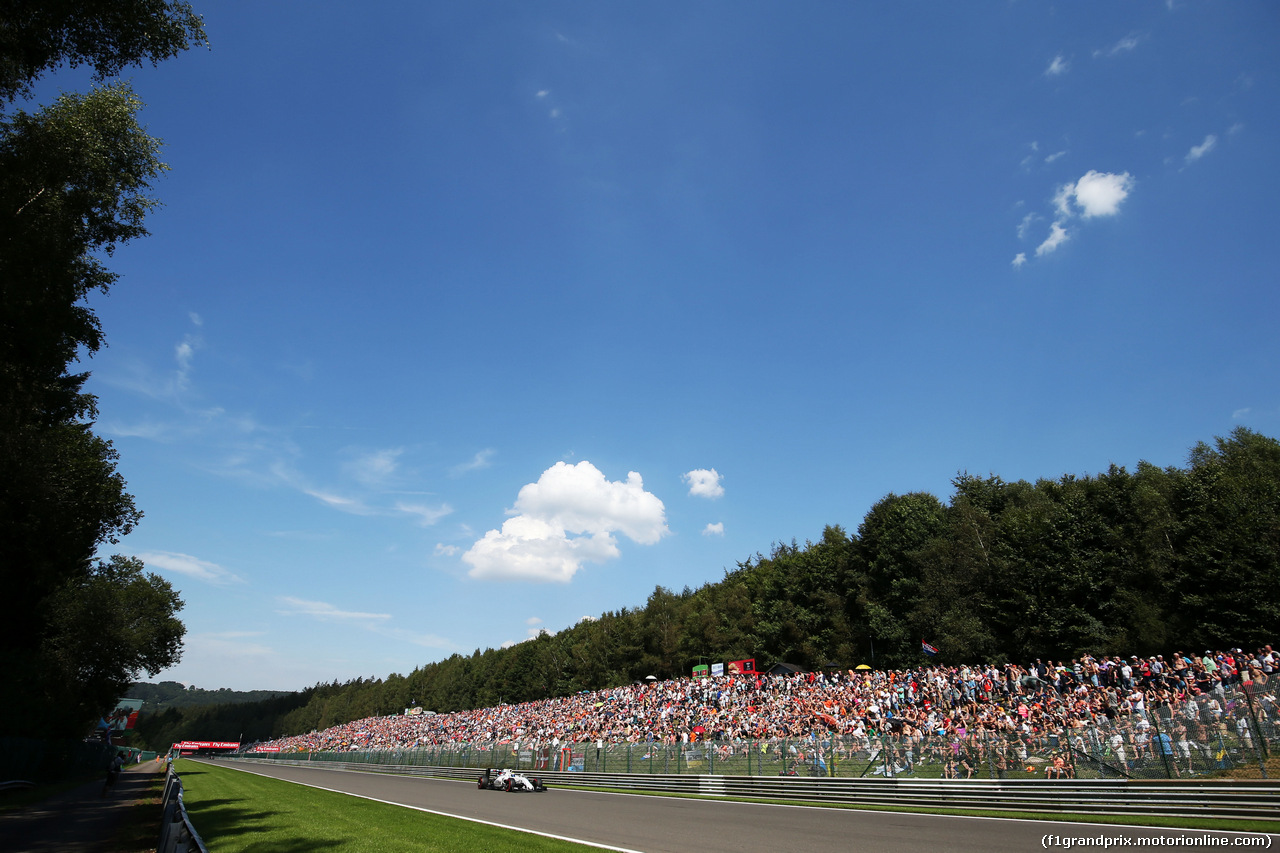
x=207, y=744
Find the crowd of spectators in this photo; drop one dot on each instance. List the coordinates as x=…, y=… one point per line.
x=1096, y=704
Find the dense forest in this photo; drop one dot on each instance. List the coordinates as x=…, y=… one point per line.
x=1138, y=562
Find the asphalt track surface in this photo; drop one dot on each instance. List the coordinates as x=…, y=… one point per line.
x=632, y=822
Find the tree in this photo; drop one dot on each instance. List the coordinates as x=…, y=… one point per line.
x=104, y=630
x=74, y=178
x=37, y=36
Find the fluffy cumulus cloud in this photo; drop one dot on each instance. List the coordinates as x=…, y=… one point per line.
x=1096, y=194
x=567, y=518
x=716, y=529
x=704, y=483
x=1100, y=193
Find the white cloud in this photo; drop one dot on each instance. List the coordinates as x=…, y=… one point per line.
x=1240, y=413
x=339, y=502
x=1055, y=156
x=192, y=567
x=565, y=519
x=482, y=459
x=225, y=643
x=542, y=93
x=1198, y=151
x=1062, y=200
x=326, y=612
x=1100, y=193
x=183, y=353
x=1057, y=236
x=443, y=550
x=1025, y=225
x=427, y=515
x=1095, y=194
x=716, y=529
x=1125, y=45
x=1058, y=67
x=146, y=429
x=704, y=483
x=375, y=468
x=196, y=319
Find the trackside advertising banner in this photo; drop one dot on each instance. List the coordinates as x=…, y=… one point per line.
x=207, y=744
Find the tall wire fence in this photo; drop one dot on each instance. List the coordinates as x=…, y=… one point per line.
x=1224, y=730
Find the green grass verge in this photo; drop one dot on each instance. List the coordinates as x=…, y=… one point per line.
x=236, y=811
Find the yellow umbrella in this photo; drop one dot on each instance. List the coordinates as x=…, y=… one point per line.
x=862, y=666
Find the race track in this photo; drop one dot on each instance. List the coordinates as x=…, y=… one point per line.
x=669, y=825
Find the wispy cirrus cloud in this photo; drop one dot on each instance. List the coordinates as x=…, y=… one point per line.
x=1058, y=66
x=189, y=566
x=1124, y=45
x=483, y=459
x=326, y=612
x=1198, y=151
x=377, y=623
x=426, y=515
x=374, y=467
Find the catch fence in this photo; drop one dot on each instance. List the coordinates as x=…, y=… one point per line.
x=1214, y=735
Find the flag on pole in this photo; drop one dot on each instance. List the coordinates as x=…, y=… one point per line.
x=927, y=649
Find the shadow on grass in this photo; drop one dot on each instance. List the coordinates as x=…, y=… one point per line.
x=299, y=846
x=220, y=820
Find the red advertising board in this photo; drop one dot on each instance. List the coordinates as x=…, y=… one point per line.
x=207, y=744
x=738, y=667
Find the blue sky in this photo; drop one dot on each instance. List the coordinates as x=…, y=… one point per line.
x=464, y=321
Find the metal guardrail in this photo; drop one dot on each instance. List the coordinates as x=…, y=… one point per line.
x=1231, y=799
x=177, y=835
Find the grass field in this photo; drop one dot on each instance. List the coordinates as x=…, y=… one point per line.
x=235, y=811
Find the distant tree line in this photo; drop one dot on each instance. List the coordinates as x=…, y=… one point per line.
x=1137, y=562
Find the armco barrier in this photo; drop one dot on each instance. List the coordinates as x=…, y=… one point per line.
x=1239, y=799
x=177, y=835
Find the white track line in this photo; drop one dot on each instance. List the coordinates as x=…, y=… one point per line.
x=433, y=811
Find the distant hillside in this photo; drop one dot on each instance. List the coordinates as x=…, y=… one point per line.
x=171, y=694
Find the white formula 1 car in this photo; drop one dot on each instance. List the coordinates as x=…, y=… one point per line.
x=507, y=780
